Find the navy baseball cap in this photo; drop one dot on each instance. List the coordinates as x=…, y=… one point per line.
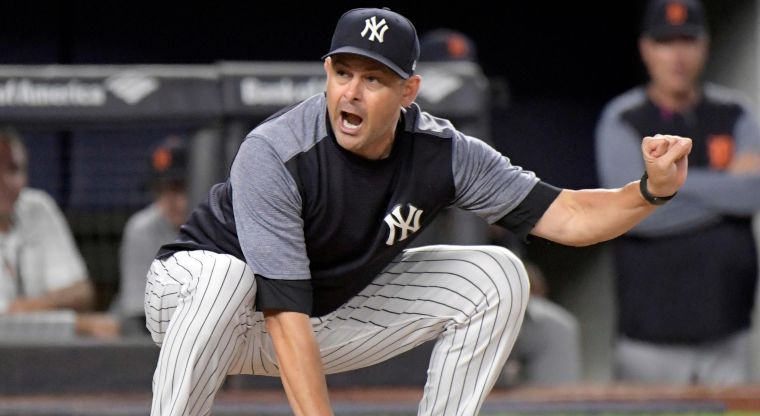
x=674, y=18
x=443, y=45
x=379, y=34
x=168, y=162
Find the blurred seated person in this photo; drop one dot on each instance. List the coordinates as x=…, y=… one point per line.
x=548, y=349
x=42, y=269
x=151, y=227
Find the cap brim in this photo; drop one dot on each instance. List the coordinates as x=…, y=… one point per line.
x=372, y=55
x=669, y=32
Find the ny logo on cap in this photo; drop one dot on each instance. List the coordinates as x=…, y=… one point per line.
x=377, y=29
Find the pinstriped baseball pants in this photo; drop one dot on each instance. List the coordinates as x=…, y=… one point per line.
x=200, y=309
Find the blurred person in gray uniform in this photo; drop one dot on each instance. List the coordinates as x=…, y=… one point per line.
x=687, y=274
x=42, y=270
x=454, y=225
x=151, y=227
x=547, y=351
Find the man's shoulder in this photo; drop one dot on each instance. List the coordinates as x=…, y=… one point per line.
x=146, y=219
x=421, y=122
x=294, y=129
x=627, y=101
x=36, y=211
x=31, y=199
x=720, y=95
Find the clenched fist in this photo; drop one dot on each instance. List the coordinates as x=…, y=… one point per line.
x=666, y=163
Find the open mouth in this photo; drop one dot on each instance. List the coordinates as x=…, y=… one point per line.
x=350, y=121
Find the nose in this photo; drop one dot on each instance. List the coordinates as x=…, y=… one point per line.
x=353, y=89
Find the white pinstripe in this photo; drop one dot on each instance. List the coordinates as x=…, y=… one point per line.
x=472, y=299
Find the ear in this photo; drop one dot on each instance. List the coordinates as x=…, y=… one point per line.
x=704, y=43
x=410, y=89
x=645, y=48
x=327, y=64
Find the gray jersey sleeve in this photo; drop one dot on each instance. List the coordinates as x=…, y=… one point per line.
x=485, y=181
x=267, y=207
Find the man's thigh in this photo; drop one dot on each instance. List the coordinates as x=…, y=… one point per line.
x=198, y=282
x=415, y=299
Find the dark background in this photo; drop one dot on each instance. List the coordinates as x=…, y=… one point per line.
x=552, y=65
x=558, y=62
x=545, y=48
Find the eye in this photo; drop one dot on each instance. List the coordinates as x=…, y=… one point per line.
x=375, y=81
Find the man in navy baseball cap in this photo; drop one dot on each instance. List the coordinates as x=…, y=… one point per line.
x=666, y=333
x=299, y=261
x=380, y=34
x=667, y=19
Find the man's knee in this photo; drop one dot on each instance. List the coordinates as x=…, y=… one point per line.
x=506, y=280
x=507, y=267
x=187, y=273
x=232, y=275
x=233, y=280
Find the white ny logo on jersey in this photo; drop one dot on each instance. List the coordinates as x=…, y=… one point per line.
x=377, y=29
x=407, y=226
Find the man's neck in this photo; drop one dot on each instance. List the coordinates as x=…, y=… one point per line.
x=673, y=101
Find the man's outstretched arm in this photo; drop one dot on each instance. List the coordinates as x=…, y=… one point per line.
x=589, y=216
x=300, y=362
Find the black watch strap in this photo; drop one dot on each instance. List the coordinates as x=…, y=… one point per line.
x=654, y=200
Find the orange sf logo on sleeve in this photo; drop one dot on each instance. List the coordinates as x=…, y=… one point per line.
x=720, y=150
x=676, y=13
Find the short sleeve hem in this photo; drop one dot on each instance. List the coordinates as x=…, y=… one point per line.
x=283, y=295
x=526, y=215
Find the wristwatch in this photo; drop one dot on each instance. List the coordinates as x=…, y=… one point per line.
x=654, y=200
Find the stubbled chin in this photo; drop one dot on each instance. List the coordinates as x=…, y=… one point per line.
x=345, y=142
